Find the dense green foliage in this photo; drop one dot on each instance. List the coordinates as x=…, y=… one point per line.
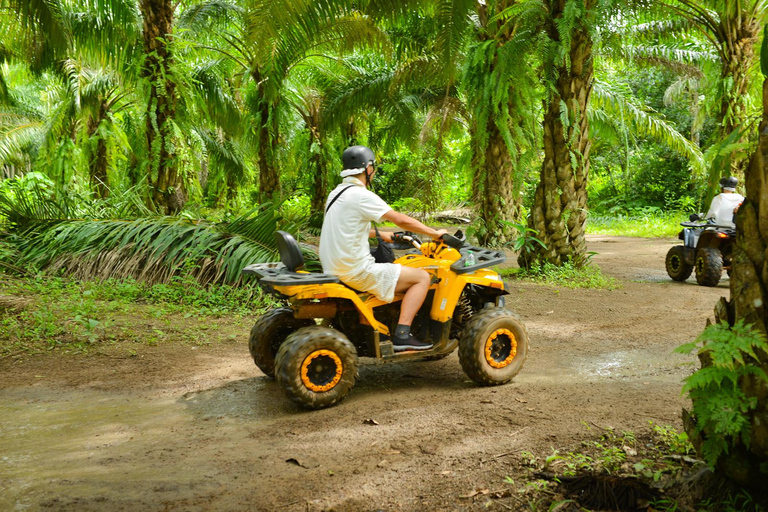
x=719, y=404
x=421, y=82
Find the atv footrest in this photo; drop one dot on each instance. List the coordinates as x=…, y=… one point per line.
x=275, y=274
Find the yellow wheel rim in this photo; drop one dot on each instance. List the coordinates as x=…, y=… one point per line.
x=500, y=348
x=321, y=370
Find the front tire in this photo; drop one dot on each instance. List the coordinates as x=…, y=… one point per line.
x=709, y=266
x=493, y=346
x=268, y=333
x=677, y=268
x=316, y=367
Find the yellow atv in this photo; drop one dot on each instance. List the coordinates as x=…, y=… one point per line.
x=316, y=364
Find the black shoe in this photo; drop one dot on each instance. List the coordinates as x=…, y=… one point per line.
x=409, y=343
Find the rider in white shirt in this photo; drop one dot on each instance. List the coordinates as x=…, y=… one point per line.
x=724, y=204
x=344, y=249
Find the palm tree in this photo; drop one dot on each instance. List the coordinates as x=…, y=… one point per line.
x=271, y=40
x=732, y=29
x=559, y=212
x=83, y=54
x=498, y=80
x=168, y=193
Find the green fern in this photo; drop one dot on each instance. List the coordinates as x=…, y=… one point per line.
x=721, y=408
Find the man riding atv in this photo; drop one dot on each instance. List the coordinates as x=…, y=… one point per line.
x=311, y=344
x=707, y=248
x=344, y=250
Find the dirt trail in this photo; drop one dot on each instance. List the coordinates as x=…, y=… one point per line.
x=183, y=428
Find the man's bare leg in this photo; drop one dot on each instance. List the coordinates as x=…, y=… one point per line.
x=415, y=283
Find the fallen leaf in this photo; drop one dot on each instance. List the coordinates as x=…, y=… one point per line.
x=446, y=472
x=370, y=421
x=521, y=400
x=631, y=452
x=486, y=401
x=308, y=463
x=390, y=452
x=382, y=464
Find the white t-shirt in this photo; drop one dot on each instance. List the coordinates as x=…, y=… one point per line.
x=344, y=248
x=722, y=208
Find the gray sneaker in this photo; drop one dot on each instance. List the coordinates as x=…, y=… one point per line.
x=409, y=343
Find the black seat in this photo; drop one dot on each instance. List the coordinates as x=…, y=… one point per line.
x=290, y=253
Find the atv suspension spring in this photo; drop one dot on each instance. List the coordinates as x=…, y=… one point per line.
x=465, y=306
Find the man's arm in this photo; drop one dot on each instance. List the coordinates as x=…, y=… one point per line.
x=407, y=223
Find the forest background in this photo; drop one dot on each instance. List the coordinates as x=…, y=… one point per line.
x=154, y=139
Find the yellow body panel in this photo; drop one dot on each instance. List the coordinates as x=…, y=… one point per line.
x=435, y=259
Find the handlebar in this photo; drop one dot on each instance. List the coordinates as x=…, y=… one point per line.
x=455, y=241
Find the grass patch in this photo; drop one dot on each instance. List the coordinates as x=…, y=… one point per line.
x=42, y=313
x=648, y=225
x=567, y=275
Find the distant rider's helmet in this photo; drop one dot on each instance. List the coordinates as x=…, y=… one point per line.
x=729, y=184
x=357, y=158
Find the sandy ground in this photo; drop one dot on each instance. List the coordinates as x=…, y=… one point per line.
x=200, y=428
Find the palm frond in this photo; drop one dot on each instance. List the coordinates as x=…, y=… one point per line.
x=154, y=250
x=617, y=98
x=196, y=17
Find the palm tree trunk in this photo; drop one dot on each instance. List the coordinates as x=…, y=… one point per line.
x=476, y=190
x=749, y=302
x=319, y=180
x=98, y=165
x=742, y=34
x=269, y=178
x=499, y=202
x=168, y=194
x=737, y=38
x=559, y=210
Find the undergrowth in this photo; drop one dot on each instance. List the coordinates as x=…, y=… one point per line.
x=45, y=313
x=607, y=469
x=567, y=275
x=651, y=224
x=721, y=408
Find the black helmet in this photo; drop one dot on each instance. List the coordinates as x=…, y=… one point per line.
x=358, y=157
x=730, y=182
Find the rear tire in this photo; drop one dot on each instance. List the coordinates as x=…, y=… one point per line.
x=677, y=268
x=709, y=266
x=268, y=334
x=493, y=346
x=316, y=366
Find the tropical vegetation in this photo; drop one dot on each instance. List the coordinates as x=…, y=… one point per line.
x=152, y=139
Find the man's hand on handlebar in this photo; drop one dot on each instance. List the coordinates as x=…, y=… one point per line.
x=439, y=234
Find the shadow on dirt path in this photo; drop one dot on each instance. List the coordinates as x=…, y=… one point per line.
x=181, y=429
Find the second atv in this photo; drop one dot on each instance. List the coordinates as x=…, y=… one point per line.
x=707, y=248
x=312, y=346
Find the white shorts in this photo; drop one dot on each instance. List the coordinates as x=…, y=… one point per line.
x=379, y=279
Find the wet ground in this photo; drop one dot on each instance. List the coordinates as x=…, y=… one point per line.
x=200, y=428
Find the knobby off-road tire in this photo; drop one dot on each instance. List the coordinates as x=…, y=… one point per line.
x=268, y=334
x=677, y=268
x=493, y=346
x=709, y=266
x=316, y=366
